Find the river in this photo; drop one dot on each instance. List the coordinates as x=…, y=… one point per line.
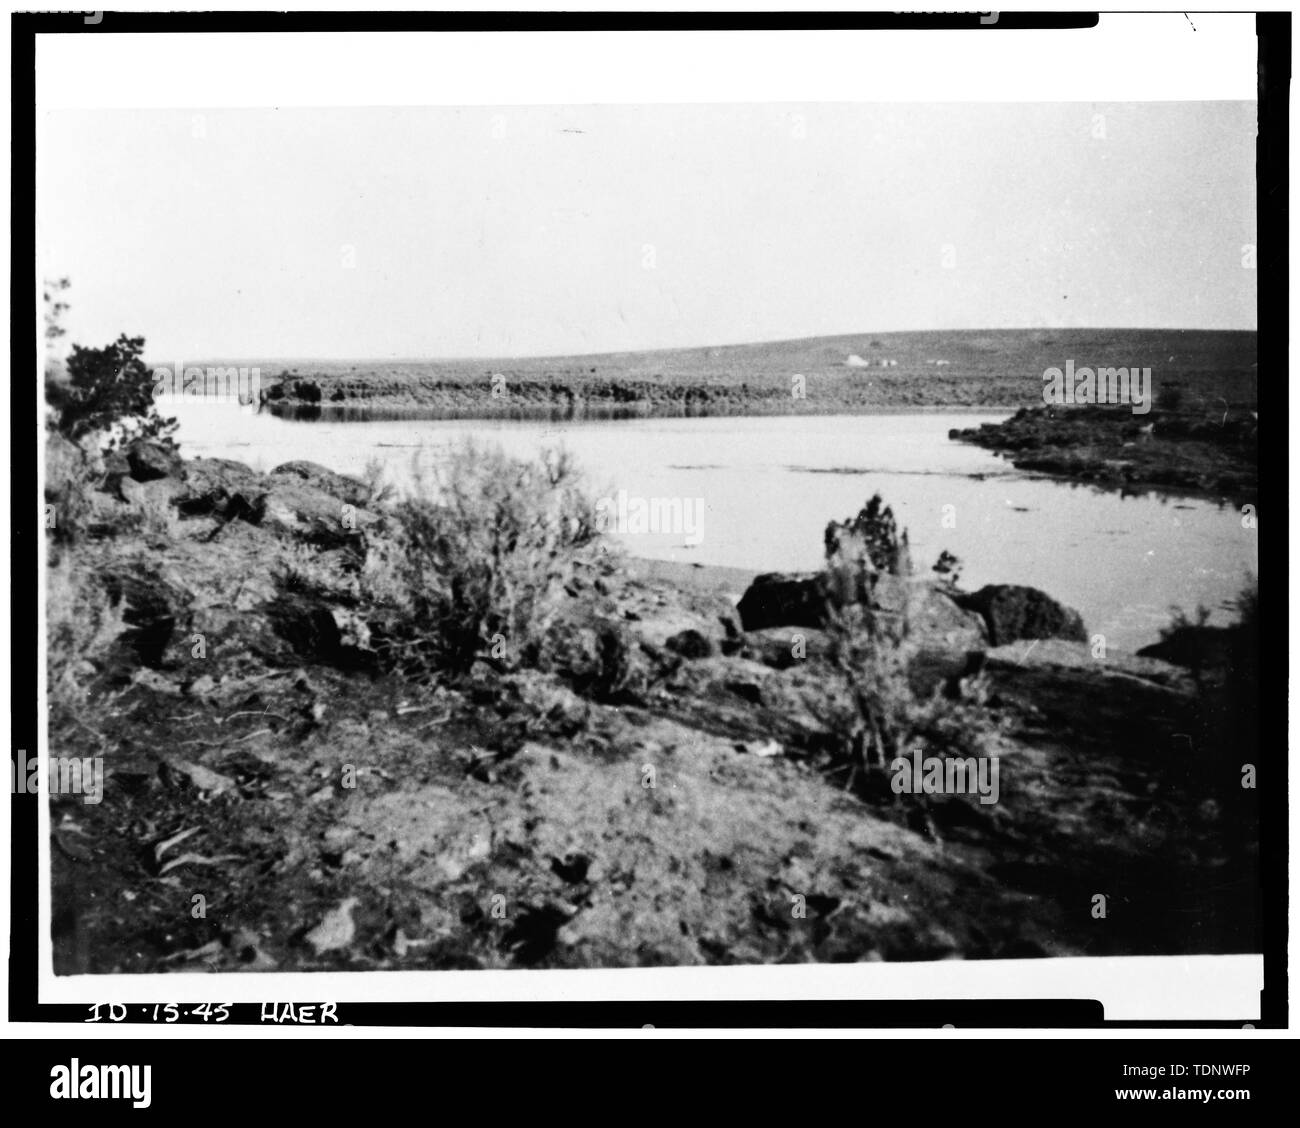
x=756, y=493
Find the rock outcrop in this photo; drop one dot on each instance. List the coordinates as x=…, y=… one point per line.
x=775, y=600
x=655, y=792
x=351, y=491
x=150, y=461
x=1013, y=612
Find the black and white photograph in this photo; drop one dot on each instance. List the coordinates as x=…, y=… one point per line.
x=537, y=534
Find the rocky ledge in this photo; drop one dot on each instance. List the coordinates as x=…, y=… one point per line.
x=1171, y=451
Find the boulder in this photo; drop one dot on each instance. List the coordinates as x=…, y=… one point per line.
x=933, y=615
x=298, y=499
x=690, y=644
x=152, y=606
x=1013, y=612
x=296, y=509
x=938, y=666
x=938, y=619
x=115, y=469
x=65, y=464
x=221, y=487
x=778, y=600
x=346, y=489
x=928, y=606
x=784, y=647
x=307, y=625
x=148, y=461
x=206, y=474
x=155, y=494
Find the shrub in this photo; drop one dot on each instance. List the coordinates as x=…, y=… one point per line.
x=82, y=626
x=157, y=515
x=1247, y=606
x=601, y=661
x=882, y=714
x=1180, y=622
x=109, y=388
x=948, y=568
x=92, y=392
x=1185, y=639
x=471, y=567
x=378, y=491
x=871, y=536
x=302, y=569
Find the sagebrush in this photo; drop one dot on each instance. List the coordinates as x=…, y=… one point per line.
x=470, y=567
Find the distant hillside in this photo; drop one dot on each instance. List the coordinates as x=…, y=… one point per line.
x=858, y=372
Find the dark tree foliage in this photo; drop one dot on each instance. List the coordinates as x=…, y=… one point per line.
x=948, y=567
x=109, y=386
x=876, y=531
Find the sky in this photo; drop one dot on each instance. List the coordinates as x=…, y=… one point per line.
x=498, y=231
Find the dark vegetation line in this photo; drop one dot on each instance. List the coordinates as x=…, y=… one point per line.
x=992, y=369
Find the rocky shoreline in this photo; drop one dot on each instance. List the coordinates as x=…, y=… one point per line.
x=1111, y=448
x=663, y=797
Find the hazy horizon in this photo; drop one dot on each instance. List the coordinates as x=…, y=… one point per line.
x=532, y=232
